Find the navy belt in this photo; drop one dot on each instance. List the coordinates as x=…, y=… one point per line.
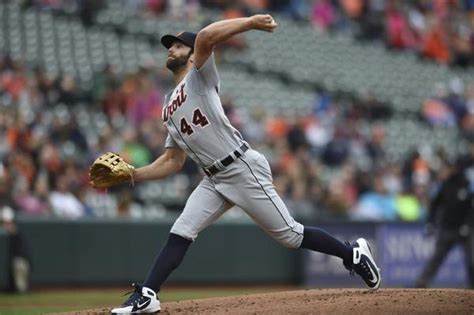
x=212, y=170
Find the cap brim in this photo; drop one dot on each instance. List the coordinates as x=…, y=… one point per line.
x=168, y=40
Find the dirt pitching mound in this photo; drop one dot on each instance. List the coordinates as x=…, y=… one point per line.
x=329, y=301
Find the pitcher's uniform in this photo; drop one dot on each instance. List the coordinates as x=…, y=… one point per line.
x=236, y=174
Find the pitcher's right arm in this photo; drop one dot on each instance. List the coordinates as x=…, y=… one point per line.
x=221, y=31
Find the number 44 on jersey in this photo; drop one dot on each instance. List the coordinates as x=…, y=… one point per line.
x=199, y=120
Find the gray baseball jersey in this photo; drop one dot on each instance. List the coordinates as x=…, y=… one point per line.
x=196, y=123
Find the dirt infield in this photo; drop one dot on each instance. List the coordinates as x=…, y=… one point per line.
x=328, y=301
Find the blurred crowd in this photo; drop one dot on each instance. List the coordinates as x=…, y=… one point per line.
x=327, y=165
x=331, y=164
x=441, y=30
x=51, y=131
x=451, y=105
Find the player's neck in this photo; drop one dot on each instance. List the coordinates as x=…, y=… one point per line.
x=179, y=75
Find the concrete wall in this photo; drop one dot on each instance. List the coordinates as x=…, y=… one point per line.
x=118, y=252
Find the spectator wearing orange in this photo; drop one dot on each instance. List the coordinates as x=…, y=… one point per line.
x=435, y=44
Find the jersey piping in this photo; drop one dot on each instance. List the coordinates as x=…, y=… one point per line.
x=287, y=224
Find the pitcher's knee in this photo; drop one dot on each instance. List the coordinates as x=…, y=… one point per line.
x=290, y=237
x=184, y=229
x=292, y=240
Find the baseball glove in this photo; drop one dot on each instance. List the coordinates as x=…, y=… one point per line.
x=110, y=169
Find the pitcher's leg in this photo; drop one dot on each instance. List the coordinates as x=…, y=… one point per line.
x=271, y=214
x=203, y=207
x=258, y=198
x=169, y=258
x=319, y=240
x=256, y=194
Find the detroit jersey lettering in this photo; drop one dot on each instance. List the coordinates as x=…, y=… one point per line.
x=195, y=119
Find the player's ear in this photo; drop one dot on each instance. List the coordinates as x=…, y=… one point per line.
x=191, y=58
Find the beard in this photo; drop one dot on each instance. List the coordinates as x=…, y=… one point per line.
x=178, y=63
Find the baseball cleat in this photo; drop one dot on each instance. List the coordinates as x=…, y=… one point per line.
x=364, y=264
x=142, y=300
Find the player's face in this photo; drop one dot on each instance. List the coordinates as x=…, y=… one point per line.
x=178, y=56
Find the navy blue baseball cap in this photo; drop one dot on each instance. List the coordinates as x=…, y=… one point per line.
x=186, y=38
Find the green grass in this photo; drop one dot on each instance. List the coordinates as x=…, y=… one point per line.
x=50, y=301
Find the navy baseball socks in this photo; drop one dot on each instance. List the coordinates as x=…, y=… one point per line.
x=356, y=256
x=168, y=260
x=144, y=299
x=321, y=241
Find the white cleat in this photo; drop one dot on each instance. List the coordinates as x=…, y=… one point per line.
x=364, y=264
x=142, y=301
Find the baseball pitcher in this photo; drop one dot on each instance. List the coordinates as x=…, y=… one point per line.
x=235, y=174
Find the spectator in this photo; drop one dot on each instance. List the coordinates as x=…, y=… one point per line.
x=435, y=45
x=296, y=137
x=323, y=15
x=370, y=23
x=370, y=108
x=467, y=123
x=375, y=146
x=145, y=102
x=352, y=8
x=376, y=205
x=252, y=128
x=456, y=98
x=124, y=204
x=341, y=192
x=318, y=135
x=277, y=127
x=436, y=111
x=256, y=6
x=104, y=84
x=133, y=150
x=46, y=87
x=408, y=207
x=462, y=48
x=63, y=202
x=34, y=202
x=68, y=91
x=399, y=34
x=232, y=113
x=157, y=7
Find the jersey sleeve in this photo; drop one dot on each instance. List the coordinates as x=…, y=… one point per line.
x=170, y=143
x=208, y=73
